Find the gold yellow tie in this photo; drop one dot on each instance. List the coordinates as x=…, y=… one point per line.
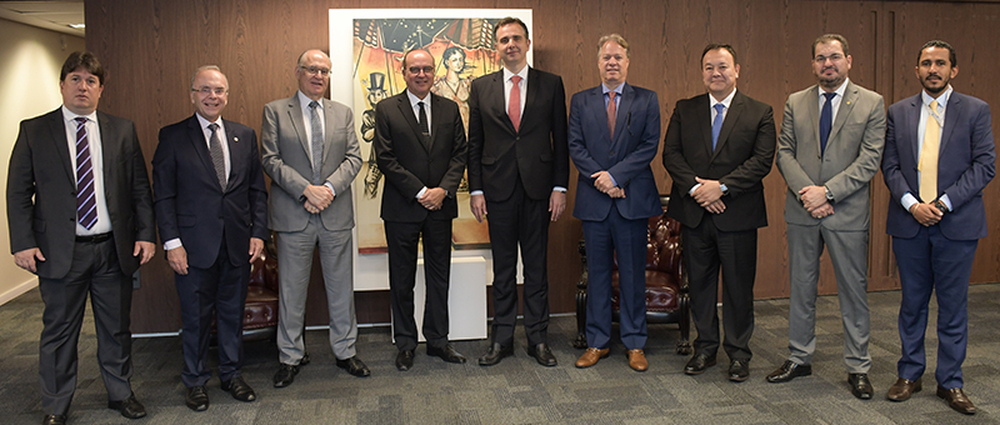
x=929, y=156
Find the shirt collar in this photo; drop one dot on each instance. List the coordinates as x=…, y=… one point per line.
x=414, y=99
x=69, y=115
x=725, y=102
x=205, y=123
x=523, y=73
x=942, y=99
x=617, y=90
x=305, y=100
x=840, y=90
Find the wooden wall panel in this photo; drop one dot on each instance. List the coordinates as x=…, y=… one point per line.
x=151, y=47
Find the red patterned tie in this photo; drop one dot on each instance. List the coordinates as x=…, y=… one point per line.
x=86, y=203
x=514, y=106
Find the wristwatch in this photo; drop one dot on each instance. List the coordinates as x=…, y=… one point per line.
x=829, y=195
x=941, y=206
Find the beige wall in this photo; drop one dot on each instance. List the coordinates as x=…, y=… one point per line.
x=29, y=77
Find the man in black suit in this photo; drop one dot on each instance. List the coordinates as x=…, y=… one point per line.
x=718, y=148
x=421, y=149
x=211, y=203
x=519, y=166
x=86, y=165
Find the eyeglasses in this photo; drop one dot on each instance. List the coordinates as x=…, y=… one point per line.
x=313, y=70
x=832, y=58
x=206, y=90
x=416, y=70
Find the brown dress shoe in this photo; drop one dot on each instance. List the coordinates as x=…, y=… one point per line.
x=637, y=360
x=903, y=389
x=591, y=356
x=957, y=400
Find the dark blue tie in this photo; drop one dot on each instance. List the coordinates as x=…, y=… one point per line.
x=825, y=121
x=717, y=124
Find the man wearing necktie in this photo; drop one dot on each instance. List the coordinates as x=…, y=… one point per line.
x=519, y=169
x=211, y=209
x=718, y=148
x=310, y=150
x=939, y=155
x=95, y=173
x=831, y=141
x=614, y=132
x=420, y=147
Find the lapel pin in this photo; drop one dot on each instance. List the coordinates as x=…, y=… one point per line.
x=848, y=102
x=236, y=139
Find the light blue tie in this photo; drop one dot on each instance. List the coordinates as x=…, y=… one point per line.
x=717, y=124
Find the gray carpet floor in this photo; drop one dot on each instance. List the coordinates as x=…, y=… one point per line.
x=519, y=391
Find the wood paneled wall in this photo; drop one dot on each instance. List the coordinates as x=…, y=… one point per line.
x=150, y=48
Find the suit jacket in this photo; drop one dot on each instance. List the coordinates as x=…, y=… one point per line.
x=191, y=204
x=852, y=156
x=741, y=159
x=537, y=151
x=285, y=149
x=966, y=163
x=411, y=161
x=41, y=192
x=626, y=158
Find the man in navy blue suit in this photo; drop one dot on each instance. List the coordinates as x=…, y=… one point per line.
x=211, y=209
x=614, y=132
x=939, y=155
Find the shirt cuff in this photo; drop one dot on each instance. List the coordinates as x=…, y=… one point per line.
x=172, y=244
x=908, y=201
x=694, y=188
x=475, y=192
x=559, y=189
x=613, y=181
x=330, y=185
x=947, y=202
x=420, y=194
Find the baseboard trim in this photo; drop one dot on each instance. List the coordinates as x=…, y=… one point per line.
x=18, y=290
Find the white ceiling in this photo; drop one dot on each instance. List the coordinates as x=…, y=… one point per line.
x=51, y=15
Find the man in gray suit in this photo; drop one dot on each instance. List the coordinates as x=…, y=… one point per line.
x=311, y=153
x=831, y=141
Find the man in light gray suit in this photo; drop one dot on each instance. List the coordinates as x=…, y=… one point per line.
x=311, y=153
x=831, y=141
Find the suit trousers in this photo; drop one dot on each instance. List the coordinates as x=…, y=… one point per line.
x=931, y=262
x=295, y=256
x=604, y=239
x=520, y=221
x=849, y=254
x=706, y=250
x=95, y=271
x=219, y=291
x=402, y=239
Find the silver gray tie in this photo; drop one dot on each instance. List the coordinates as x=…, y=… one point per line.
x=218, y=157
x=317, y=142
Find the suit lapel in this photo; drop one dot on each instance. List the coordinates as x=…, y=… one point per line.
x=109, y=155
x=812, y=113
x=532, y=102
x=736, y=107
x=497, y=103
x=912, y=124
x=235, y=164
x=58, y=127
x=330, y=129
x=407, y=110
x=298, y=122
x=951, y=115
x=846, y=105
x=623, y=113
x=197, y=139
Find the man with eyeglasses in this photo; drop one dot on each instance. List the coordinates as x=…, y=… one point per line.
x=420, y=146
x=80, y=216
x=210, y=201
x=310, y=151
x=832, y=136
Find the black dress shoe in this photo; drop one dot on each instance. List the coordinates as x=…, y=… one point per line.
x=129, y=408
x=54, y=420
x=739, y=370
x=354, y=366
x=496, y=353
x=542, y=354
x=698, y=363
x=446, y=353
x=239, y=389
x=404, y=360
x=789, y=370
x=285, y=375
x=197, y=398
x=860, y=386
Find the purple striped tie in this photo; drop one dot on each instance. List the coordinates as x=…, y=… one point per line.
x=86, y=203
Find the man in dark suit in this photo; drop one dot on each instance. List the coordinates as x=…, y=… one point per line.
x=87, y=165
x=519, y=168
x=614, y=132
x=718, y=148
x=939, y=155
x=211, y=205
x=831, y=141
x=420, y=146
x=310, y=151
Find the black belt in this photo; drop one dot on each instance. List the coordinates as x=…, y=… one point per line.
x=94, y=238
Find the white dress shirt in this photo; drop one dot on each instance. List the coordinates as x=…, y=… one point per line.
x=103, y=223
